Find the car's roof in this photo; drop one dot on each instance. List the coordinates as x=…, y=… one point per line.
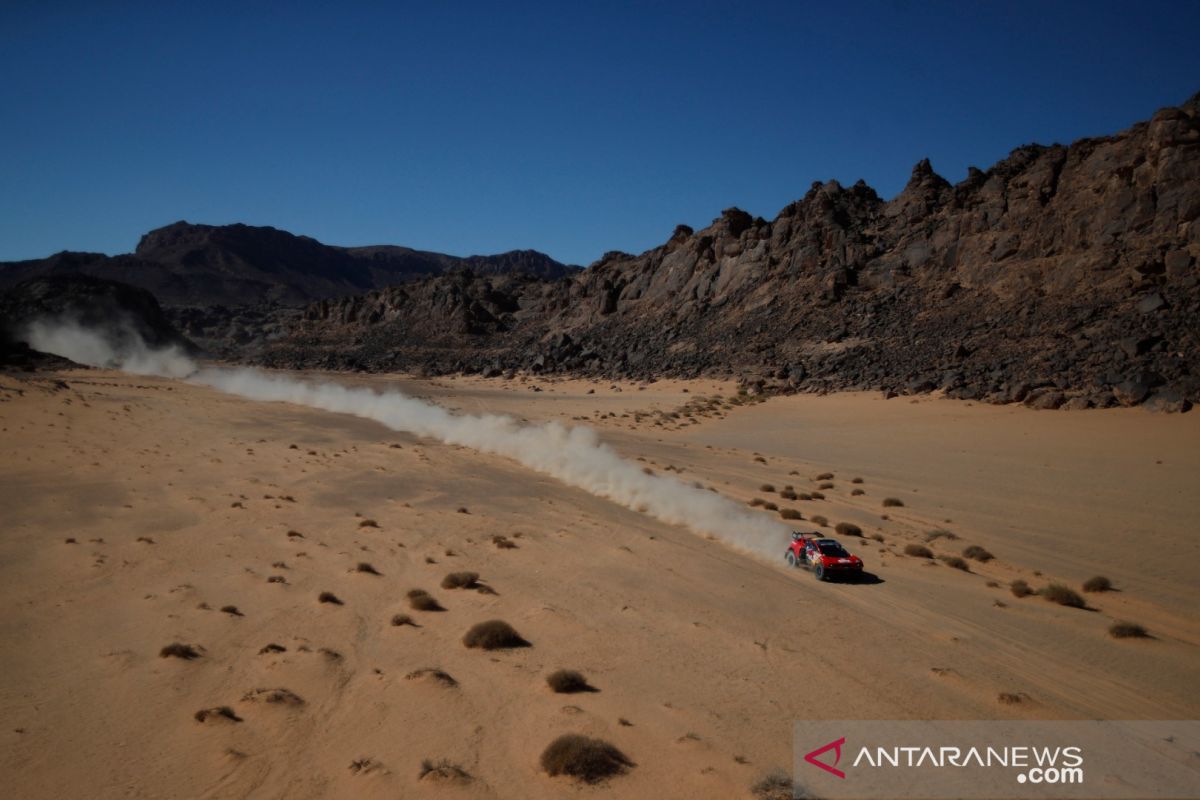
x=828, y=541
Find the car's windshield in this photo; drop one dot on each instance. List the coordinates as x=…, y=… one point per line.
x=833, y=549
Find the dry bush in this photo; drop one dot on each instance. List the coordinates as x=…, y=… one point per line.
x=826, y=485
x=1063, y=595
x=443, y=771
x=220, y=712
x=403, y=619
x=276, y=579
x=329, y=597
x=272, y=648
x=363, y=566
x=848, y=529
x=790, y=513
x=1008, y=698
x=817, y=519
x=368, y=523
x=503, y=542
x=433, y=675
x=824, y=476
x=956, y=562
x=568, y=681
x=788, y=494
x=231, y=611
x=282, y=697
x=766, y=487
x=770, y=507
x=494, y=634
x=1097, y=584
x=816, y=496
x=1127, y=630
x=893, y=502
x=877, y=537
x=775, y=785
x=589, y=760
x=1020, y=588
x=940, y=533
x=856, y=492
x=461, y=580
x=808, y=496
x=757, y=502
x=856, y=480
x=918, y=550
x=177, y=650
x=422, y=600
x=978, y=553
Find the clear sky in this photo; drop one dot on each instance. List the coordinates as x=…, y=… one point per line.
x=568, y=127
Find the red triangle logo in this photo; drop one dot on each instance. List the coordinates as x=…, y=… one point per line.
x=836, y=747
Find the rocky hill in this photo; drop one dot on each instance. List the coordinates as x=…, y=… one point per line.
x=1062, y=275
x=186, y=265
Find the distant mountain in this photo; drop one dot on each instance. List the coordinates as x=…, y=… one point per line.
x=238, y=265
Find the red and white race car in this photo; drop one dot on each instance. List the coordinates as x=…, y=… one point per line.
x=827, y=557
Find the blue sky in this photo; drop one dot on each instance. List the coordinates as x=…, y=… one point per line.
x=572, y=128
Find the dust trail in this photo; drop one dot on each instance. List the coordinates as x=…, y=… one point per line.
x=573, y=455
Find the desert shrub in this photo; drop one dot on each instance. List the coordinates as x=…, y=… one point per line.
x=1127, y=630
x=403, y=619
x=856, y=492
x=790, y=513
x=770, y=507
x=856, y=480
x=775, y=785
x=877, y=537
x=442, y=771
x=758, y=501
x=503, y=542
x=918, y=550
x=494, y=634
x=824, y=476
x=329, y=597
x=276, y=579
x=893, y=502
x=1097, y=584
x=1020, y=588
x=940, y=533
x=817, y=519
x=788, y=494
x=848, y=529
x=223, y=712
x=177, y=650
x=567, y=681
x=1008, y=698
x=460, y=580
x=422, y=600
x=231, y=611
x=803, y=496
x=956, y=562
x=368, y=523
x=363, y=566
x=272, y=648
x=1063, y=595
x=433, y=675
x=978, y=553
x=826, y=485
x=766, y=487
x=589, y=760
x=814, y=496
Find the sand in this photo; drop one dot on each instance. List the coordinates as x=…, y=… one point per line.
x=179, y=501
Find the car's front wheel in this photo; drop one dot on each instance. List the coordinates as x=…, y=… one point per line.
x=819, y=571
x=791, y=558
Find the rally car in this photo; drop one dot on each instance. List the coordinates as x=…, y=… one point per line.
x=827, y=557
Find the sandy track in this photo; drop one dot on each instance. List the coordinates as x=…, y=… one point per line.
x=710, y=654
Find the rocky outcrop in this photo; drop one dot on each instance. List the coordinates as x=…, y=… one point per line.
x=1061, y=276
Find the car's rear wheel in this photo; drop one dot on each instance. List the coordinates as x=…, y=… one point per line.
x=819, y=571
x=791, y=558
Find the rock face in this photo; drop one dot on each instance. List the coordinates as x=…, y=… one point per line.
x=1059, y=276
x=240, y=265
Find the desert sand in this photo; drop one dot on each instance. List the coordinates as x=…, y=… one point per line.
x=136, y=509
